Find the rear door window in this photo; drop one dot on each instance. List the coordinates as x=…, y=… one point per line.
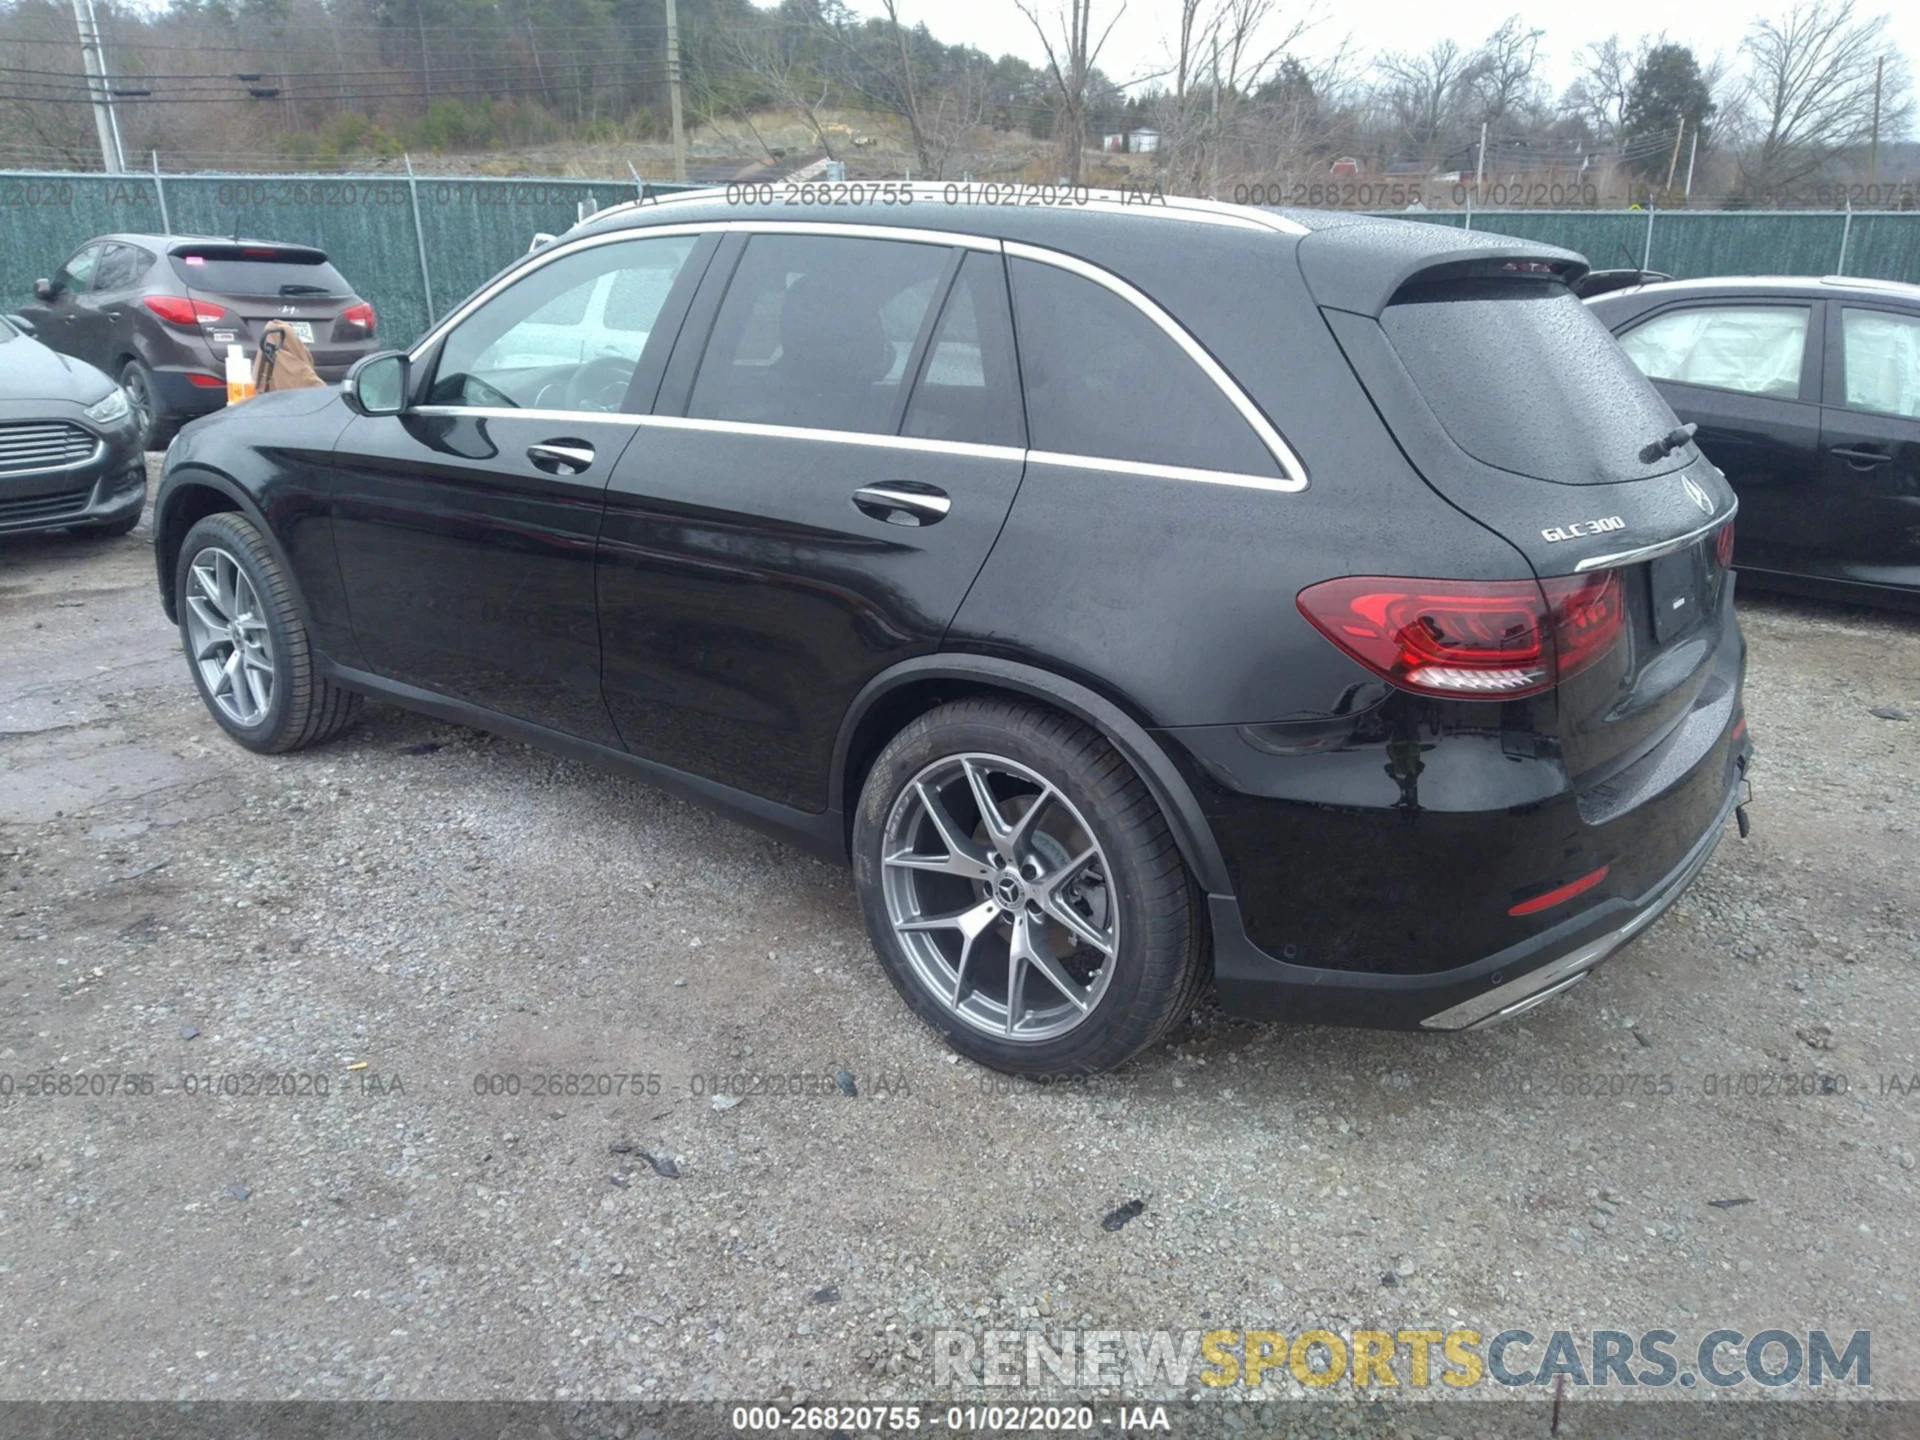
x=1524, y=377
x=1882, y=359
x=1754, y=349
x=816, y=331
x=258, y=270
x=969, y=389
x=118, y=268
x=1103, y=380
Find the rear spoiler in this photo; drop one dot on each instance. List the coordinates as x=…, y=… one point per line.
x=248, y=250
x=1361, y=267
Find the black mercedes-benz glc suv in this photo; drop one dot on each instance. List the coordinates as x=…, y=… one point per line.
x=1137, y=594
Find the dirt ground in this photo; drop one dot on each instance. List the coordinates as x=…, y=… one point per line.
x=425, y=923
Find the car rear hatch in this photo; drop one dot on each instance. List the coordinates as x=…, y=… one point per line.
x=1510, y=397
x=252, y=283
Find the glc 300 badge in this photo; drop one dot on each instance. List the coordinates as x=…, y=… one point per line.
x=1583, y=528
x=1696, y=494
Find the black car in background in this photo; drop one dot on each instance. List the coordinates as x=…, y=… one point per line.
x=1807, y=395
x=69, y=446
x=157, y=312
x=1137, y=594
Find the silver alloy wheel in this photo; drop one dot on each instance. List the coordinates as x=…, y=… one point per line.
x=140, y=401
x=1000, y=896
x=229, y=635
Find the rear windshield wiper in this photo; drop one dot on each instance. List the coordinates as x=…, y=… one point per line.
x=1666, y=444
x=297, y=289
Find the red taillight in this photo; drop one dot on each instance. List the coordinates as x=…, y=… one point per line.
x=1559, y=896
x=178, y=310
x=206, y=382
x=1475, y=639
x=1723, y=546
x=360, y=316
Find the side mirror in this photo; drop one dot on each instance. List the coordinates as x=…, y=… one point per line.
x=377, y=384
x=43, y=290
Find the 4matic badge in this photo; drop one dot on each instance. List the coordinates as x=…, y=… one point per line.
x=1583, y=528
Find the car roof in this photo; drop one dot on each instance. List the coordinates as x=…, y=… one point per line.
x=1808, y=286
x=1350, y=261
x=168, y=242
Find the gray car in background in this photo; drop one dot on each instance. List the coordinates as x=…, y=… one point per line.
x=157, y=312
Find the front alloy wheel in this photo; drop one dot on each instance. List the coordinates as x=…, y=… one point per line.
x=228, y=638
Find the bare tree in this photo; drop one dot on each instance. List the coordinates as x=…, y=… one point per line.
x=1240, y=46
x=1071, y=56
x=1809, y=92
x=1498, y=76
x=760, y=62
x=1420, y=94
x=1598, y=94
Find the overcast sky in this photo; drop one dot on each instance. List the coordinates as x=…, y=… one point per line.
x=1140, y=37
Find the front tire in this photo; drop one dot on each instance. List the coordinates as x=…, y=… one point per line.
x=245, y=644
x=1023, y=890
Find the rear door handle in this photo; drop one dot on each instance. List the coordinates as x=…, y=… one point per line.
x=561, y=457
x=1861, y=459
x=903, y=503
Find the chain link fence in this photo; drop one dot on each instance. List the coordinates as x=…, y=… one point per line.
x=416, y=246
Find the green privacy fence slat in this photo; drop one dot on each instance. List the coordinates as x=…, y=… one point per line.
x=1880, y=245
x=471, y=226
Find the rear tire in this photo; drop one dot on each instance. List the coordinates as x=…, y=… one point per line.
x=246, y=647
x=1060, y=936
x=156, y=428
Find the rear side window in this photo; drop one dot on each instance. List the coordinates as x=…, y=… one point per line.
x=969, y=389
x=1883, y=362
x=816, y=331
x=1103, y=380
x=120, y=267
x=1755, y=349
x=1524, y=377
x=258, y=270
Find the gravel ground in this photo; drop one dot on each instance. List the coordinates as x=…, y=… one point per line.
x=419, y=904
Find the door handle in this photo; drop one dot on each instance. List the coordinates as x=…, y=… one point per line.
x=1861, y=459
x=561, y=457
x=903, y=502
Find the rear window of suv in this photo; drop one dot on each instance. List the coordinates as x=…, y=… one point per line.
x=258, y=270
x=1524, y=377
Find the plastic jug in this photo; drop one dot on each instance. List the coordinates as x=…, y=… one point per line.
x=239, y=376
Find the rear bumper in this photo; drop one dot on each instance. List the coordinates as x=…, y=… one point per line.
x=1257, y=985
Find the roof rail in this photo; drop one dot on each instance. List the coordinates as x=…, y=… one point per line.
x=1133, y=202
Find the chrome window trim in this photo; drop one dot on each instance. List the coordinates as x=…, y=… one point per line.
x=1151, y=471
x=514, y=412
x=1293, y=475
x=1658, y=548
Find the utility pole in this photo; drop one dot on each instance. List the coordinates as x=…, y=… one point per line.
x=1693, y=154
x=1213, y=149
x=1480, y=159
x=426, y=74
x=1674, y=163
x=96, y=67
x=673, y=92
x=539, y=73
x=1873, y=152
